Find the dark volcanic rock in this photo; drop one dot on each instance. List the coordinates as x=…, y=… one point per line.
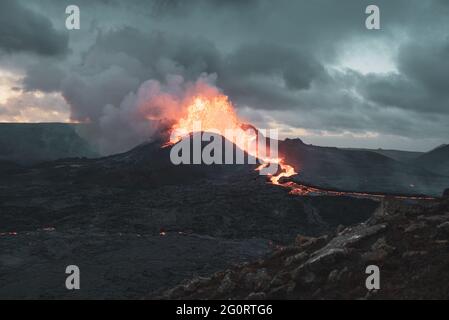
x=107, y=215
x=436, y=160
x=142, y=191
x=113, y=265
x=446, y=193
x=360, y=170
x=413, y=264
x=135, y=223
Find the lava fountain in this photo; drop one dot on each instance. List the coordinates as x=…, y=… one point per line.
x=213, y=110
x=216, y=113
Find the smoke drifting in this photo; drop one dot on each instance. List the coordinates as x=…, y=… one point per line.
x=310, y=68
x=146, y=114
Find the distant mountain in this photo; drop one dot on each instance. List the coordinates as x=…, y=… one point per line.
x=36, y=142
x=322, y=167
x=399, y=155
x=436, y=160
x=149, y=164
x=440, y=146
x=359, y=170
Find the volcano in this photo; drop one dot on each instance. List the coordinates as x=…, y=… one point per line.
x=150, y=165
x=125, y=210
x=135, y=222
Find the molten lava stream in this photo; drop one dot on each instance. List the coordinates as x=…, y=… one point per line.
x=215, y=113
x=287, y=171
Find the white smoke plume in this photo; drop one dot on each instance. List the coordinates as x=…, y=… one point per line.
x=146, y=114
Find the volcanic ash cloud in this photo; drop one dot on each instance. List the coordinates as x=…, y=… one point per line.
x=148, y=113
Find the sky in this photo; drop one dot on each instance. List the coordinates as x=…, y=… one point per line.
x=309, y=68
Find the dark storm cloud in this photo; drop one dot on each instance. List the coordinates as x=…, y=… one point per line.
x=263, y=75
x=428, y=65
x=267, y=75
x=120, y=60
x=156, y=52
x=422, y=84
x=273, y=57
x=179, y=6
x=295, y=68
x=44, y=76
x=24, y=30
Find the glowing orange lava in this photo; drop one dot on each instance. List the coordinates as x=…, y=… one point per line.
x=212, y=113
x=287, y=171
x=216, y=113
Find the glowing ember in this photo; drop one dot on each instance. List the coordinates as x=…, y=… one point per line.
x=216, y=113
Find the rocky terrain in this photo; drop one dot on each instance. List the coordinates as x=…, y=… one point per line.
x=408, y=242
x=113, y=265
x=135, y=223
x=141, y=191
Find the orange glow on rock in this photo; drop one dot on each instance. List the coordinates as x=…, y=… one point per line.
x=216, y=114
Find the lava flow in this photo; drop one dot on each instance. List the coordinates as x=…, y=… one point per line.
x=215, y=113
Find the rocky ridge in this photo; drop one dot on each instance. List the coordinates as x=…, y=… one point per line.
x=408, y=242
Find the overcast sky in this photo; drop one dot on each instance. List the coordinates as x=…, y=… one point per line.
x=309, y=68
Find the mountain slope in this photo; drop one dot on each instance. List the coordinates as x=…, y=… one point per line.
x=358, y=170
x=147, y=165
x=142, y=190
x=436, y=160
x=398, y=155
x=29, y=143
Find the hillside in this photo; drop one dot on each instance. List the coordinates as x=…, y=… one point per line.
x=407, y=242
x=398, y=155
x=358, y=170
x=436, y=160
x=135, y=223
x=36, y=142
